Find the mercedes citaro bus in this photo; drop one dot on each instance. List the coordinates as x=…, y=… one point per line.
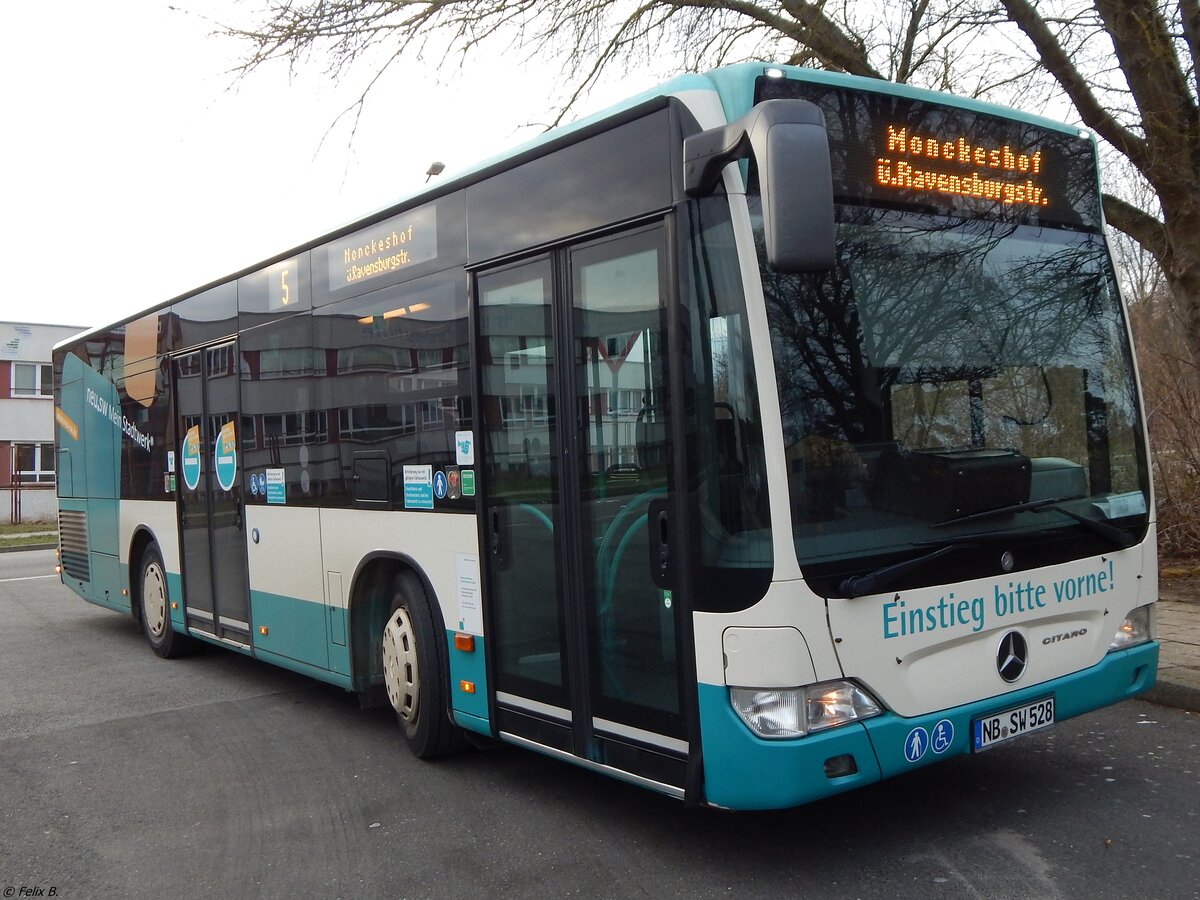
x=767, y=435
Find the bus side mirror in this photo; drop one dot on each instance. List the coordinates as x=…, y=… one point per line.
x=788, y=141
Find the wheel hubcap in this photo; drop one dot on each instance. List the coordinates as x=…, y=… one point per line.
x=401, y=674
x=154, y=600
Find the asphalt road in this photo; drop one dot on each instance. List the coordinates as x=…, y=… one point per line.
x=122, y=775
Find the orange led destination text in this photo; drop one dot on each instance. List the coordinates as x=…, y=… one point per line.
x=380, y=255
x=893, y=171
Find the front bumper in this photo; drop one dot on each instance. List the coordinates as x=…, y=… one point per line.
x=743, y=771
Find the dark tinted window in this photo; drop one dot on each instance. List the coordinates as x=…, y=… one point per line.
x=608, y=178
x=282, y=426
x=208, y=316
x=395, y=380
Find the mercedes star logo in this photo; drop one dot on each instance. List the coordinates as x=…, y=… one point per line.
x=1012, y=656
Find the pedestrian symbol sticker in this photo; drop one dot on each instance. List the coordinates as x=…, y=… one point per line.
x=916, y=744
x=942, y=736
x=439, y=485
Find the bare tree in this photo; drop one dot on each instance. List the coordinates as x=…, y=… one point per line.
x=1127, y=67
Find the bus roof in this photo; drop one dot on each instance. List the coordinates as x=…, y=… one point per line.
x=734, y=86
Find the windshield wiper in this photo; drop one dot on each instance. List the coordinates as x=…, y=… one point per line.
x=1111, y=533
x=1004, y=511
x=1117, y=536
x=874, y=582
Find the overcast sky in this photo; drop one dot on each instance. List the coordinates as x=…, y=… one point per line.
x=134, y=170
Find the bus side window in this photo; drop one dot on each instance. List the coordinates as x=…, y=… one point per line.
x=731, y=525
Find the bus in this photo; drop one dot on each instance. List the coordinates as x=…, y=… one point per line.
x=770, y=434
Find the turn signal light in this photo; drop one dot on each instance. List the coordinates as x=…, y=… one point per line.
x=262, y=629
x=464, y=642
x=467, y=687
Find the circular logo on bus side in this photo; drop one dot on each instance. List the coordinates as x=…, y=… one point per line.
x=190, y=458
x=225, y=456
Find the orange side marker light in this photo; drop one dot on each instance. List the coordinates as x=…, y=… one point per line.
x=464, y=642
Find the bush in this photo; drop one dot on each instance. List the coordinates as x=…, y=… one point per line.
x=1171, y=386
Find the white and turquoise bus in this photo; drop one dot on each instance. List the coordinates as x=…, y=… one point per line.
x=768, y=435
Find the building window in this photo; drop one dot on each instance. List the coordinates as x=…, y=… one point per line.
x=33, y=463
x=292, y=429
x=32, y=380
x=431, y=412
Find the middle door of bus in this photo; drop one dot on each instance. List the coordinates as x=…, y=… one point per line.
x=576, y=441
x=211, y=527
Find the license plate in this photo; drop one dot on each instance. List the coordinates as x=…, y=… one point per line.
x=1004, y=726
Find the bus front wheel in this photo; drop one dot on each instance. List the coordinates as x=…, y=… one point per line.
x=155, y=601
x=416, y=672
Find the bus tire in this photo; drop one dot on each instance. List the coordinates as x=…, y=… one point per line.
x=416, y=672
x=154, y=601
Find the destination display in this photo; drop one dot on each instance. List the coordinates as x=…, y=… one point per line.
x=398, y=243
x=890, y=150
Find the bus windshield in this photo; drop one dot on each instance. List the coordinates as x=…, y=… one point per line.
x=947, y=375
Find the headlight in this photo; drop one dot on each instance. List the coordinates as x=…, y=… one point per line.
x=794, y=712
x=1134, y=630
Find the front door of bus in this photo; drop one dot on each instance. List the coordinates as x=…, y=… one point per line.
x=576, y=438
x=213, y=542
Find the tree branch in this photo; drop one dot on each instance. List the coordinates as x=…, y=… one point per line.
x=1147, y=230
x=1164, y=101
x=1056, y=61
x=818, y=32
x=1189, y=12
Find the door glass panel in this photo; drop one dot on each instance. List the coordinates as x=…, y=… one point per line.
x=194, y=464
x=225, y=487
x=516, y=358
x=619, y=350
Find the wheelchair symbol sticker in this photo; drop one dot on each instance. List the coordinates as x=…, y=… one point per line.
x=942, y=736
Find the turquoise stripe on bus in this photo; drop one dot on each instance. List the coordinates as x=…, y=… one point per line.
x=472, y=723
x=735, y=86
x=284, y=662
x=470, y=710
x=736, y=762
x=297, y=630
x=1119, y=676
x=175, y=590
x=742, y=771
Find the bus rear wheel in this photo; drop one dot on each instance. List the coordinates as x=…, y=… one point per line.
x=154, y=599
x=416, y=672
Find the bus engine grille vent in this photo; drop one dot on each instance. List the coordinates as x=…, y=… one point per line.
x=72, y=538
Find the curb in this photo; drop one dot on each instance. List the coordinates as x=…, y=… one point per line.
x=21, y=547
x=1174, y=695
